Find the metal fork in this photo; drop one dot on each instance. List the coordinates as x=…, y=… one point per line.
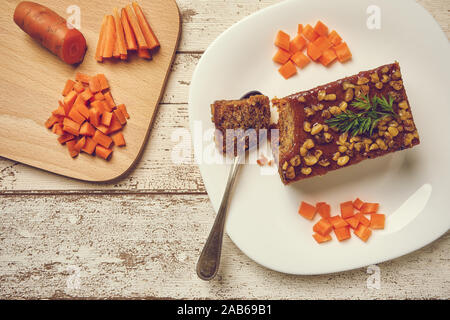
x=209, y=260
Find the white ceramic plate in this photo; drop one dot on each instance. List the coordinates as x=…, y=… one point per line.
x=412, y=186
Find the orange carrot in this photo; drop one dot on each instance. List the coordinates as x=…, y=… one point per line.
x=94, y=116
x=110, y=37
x=106, y=118
x=101, y=41
x=65, y=107
x=120, y=116
x=337, y=222
x=321, y=239
x=363, y=232
x=87, y=129
x=57, y=129
x=70, y=98
x=102, y=139
x=99, y=96
x=377, y=221
x=288, y=69
x=309, y=33
x=313, y=51
x=86, y=94
x=369, y=208
x=300, y=59
x=70, y=146
x=297, y=44
x=103, y=152
x=323, y=227
x=334, y=38
x=115, y=125
x=358, y=203
x=59, y=112
x=134, y=23
x=119, y=31
x=71, y=127
x=342, y=233
x=307, y=210
x=322, y=43
x=78, y=87
x=362, y=219
x=75, y=116
x=129, y=35
x=109, y=99
x=323, y=209
x=321, y=28
x=100, y=106
x=347, y=209
x=103, y=81
x=94, y=85
x=80, y=144
x=82, y=109
x=65, y=137
x=282, y=40
x=123, y=109
x=281, y=56
x=300, y=28
x=353, y=222
x=68, y=87
x=342, y=52
x=102, y=128
x=144, y=53
x=89, y=146
x=81, y=77
x=149, y=35
x=119, y=140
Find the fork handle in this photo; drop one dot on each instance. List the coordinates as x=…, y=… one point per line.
x=209, y=260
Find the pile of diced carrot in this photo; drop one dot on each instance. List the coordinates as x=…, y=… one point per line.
x=353, y=216
x=321, y=46
x=129, y=31
x=88, y=119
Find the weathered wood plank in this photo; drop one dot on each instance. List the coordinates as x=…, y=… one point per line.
x=138, y=246
x=155, y=172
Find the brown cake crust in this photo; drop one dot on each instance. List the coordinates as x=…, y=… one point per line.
x=302, y=114
x=251, y=113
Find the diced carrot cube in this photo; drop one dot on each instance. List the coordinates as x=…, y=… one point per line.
x=87, y=129
x=70, y=98
x=288, y=69
x=103, y=81
x=321, y=29
x=78, y=87
x=377, y=221
x=102, y=152
x=58, y=129
x=120, y=116
x=321, y=239
x=334, y=38
x=307, y=210
x=68, y=87
x=323, y=227
x=300, y=59
x=297, y=44
x=110, y=101
x=369, y=208
x=123, y=109
x=300, y=28
x=309, y=33
x=65, y=137
x=363, y=232
x=342, y=52
x=76, y=116
x=70, y=147
x=347, y=209
x=282, y=40
x=362, y=219
x=82, y=77
x=71, y=127
x=323, y=209
x=337, y=222
x=322, y=43
x=358, y=203
x=89, y=146
x=115, y=125
x=106, y=118
x=281, y=56
x=119, y=139
x=102, y=139
x=94, y=85
x=313, y=51
x=353, y=222
x=342, y=233
x=328, y=56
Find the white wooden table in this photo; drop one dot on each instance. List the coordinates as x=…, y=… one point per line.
x=140, y=237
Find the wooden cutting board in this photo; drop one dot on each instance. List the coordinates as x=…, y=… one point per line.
x=32, y=80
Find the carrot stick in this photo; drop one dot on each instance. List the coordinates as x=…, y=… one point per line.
x=101, y=41
x=149, y=35
x=110, y=37
x=142, y=44
x=129, y=35
x=120, y=35
x=116, y=53
x=144, y=53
